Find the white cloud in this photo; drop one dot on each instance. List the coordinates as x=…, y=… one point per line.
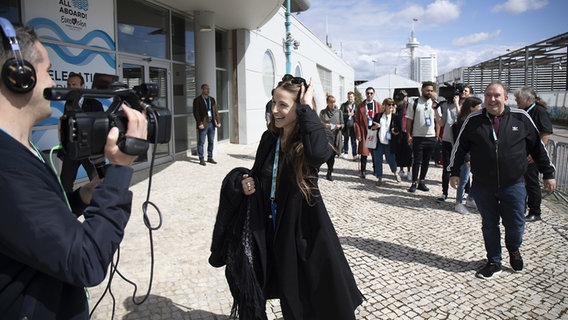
x=442, y=11
x=519, y=6
x=475, y=38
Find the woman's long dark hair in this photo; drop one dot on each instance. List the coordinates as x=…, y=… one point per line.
x=294, y=149
x=467, y=106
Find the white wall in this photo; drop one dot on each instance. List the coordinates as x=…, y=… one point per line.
x=311, y=52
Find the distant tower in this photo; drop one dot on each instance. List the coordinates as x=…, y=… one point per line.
x=412, y=44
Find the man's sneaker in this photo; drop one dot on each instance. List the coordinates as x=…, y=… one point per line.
x=442, y=198
x=397, y=178
x=412, y=187
x=516, y=260
x=422, y=187
x=531, y=217
x=488, y=271
x=409, y=176
x=470, y=203
x=460, y=208
x=401, y=173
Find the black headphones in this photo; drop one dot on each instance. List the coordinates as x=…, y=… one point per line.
x=17, y=74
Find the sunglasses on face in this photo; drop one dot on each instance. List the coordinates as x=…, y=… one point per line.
x=390, y=104
x=369, y=93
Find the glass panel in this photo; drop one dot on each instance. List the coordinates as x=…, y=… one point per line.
x=142, y=28
x=185, y=134
x=298, y=72
x=221, y=49
x=159, y=76
x=222, y=90
x=184, y=88
x=183, y=39
x=132, y=74
x=325, y=79
x=268, y=73
x=223, y=132
x=11, y=10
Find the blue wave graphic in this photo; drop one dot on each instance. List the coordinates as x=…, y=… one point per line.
x=83, y=58
x=43, y=23
x=57, y=108
x=81, y=4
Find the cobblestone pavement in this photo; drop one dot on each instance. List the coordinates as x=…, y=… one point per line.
x=413, y=258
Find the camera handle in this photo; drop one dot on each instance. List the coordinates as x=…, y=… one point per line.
x=99, y=162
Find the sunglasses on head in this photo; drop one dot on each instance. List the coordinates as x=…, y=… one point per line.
x=294, y=80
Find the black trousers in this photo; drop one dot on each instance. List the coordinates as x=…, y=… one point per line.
x=446, y=153
x=532, y=184
x=422, y=149
x=330, y=163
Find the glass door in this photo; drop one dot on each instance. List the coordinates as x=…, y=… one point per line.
x=136, y=72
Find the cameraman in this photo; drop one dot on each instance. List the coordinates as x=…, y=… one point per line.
x=449, y=116
x=47, y=256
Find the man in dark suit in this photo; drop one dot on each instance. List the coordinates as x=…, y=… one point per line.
x=206, y=119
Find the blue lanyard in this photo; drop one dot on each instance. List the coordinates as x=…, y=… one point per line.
x=207, y=102
x=273, y=188
x=530, y=108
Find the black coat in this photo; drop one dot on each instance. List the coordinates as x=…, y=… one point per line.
x=305, y=261
x=47, y=256
x=503, y=161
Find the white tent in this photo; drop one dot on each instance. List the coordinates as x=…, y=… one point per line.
x=385, y=85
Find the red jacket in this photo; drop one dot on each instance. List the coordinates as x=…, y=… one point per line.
x=361, y=124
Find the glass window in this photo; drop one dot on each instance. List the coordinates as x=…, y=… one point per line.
x=221, y=49
x=298, y=71
x=142, y=28
x=268, y=73
x=325, y=78
x=222, y=90
x=183, y=92
x=342, y=87
x=183, y=39
x=222, y=99
x=11, y=10
x=185, y=134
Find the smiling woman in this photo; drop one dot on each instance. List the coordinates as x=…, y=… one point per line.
x=283, y=199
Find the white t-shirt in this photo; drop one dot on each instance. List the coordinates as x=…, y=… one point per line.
x=423, y=125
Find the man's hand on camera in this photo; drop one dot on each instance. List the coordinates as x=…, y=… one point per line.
x=137, y=128
x=86, y=191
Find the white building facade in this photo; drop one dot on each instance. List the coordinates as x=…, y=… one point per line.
x=237, y=47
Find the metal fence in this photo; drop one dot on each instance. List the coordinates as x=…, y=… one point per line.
x=558, y=153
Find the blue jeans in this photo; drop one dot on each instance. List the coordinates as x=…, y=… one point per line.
x=378, y=159
x=507, y=203
x=208, y=132
x=464, y=177
x=349, y=133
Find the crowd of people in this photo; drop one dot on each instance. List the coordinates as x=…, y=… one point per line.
x=494, y=154
x=408, y=134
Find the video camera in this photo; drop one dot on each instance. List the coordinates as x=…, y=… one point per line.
x=451, y=90
x=83, y=134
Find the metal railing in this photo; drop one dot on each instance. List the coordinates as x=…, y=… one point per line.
x=558, y=153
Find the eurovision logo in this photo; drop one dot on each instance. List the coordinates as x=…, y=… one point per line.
x=74, y=13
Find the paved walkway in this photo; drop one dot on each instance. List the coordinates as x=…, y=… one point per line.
x=413, y=258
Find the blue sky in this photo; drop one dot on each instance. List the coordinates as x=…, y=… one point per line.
x=459, y=32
